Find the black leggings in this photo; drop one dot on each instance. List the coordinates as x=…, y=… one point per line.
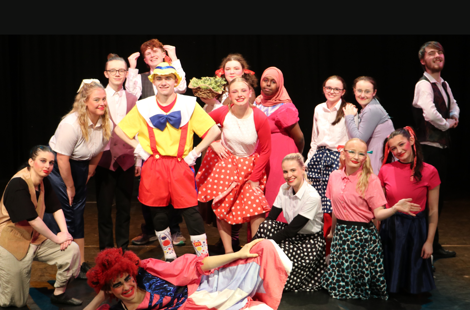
x=192, y=217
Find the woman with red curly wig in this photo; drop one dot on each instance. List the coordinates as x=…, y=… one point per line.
x=238, y=280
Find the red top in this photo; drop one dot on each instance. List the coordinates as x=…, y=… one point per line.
x=166, y=108
x=395, y=178
x=264, y=137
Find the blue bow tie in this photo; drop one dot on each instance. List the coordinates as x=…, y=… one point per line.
x=160, y=120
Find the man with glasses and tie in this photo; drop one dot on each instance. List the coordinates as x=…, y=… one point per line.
x=165, y=124
x=435, y=112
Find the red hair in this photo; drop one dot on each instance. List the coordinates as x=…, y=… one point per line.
x=110, y=264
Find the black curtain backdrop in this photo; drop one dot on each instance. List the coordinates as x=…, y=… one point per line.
x=40, y=75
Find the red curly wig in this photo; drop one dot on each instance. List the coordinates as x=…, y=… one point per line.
x=111, y=264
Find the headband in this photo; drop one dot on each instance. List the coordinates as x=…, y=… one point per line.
x=87, y=81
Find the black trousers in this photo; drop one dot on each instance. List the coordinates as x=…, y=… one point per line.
x=147, y=227
x=161, y=219
x=438, y=158
x=112, y=185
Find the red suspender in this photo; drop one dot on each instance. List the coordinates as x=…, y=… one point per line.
x=182, y=144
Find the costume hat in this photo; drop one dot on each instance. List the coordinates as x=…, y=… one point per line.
x=165, y=69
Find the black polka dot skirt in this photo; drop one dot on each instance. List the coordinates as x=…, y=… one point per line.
x=356, y=268
x=307, y=253
x=319, y=168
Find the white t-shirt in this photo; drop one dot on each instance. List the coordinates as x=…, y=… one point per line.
x=239, y=136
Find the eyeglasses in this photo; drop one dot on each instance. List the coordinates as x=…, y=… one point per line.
x=334, y=90
x=360, y=91
x=114, y=71
x=359, y=154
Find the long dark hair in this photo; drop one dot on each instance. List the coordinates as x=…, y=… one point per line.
x=33, y=153
x=340, y=113
x=417, y=164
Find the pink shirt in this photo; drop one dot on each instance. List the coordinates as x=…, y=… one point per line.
x=348, y=204
x=395, y=178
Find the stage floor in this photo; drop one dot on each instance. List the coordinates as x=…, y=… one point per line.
x=452, y=275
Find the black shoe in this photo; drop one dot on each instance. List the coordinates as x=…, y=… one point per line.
x=236, y=245
x=83, y=270
x=443, y=253
x=63, y=299
x=218, y=248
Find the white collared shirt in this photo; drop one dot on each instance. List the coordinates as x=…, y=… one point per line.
x=68, y=139
x=117, y=103
x=134, y=81
x=325, y=134
x=306, y=202
x=424, y=99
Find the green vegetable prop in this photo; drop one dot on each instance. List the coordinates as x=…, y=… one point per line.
x=207, y=87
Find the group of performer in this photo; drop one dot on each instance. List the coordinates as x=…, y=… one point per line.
x=358, y=217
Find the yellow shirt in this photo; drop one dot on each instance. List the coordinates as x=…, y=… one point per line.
x=167, y=141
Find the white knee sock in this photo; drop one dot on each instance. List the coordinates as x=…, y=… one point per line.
x=200, y=244
x=164, y=238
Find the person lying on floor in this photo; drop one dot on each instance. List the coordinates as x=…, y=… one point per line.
x=253, y=277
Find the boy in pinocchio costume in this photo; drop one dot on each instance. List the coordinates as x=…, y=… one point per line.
x=165, y=124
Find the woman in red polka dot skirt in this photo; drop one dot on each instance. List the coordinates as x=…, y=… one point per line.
x=232, y=173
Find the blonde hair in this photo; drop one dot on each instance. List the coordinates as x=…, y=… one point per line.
x=364, y=175
x=300, y=160
x=79, y=106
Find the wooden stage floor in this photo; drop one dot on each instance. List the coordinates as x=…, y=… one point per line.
x=452, y=275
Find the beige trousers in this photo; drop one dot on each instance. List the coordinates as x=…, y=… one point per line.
x=15, y=274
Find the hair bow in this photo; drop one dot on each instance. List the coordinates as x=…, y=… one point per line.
x=87, y=81
x=219, y=72
x=248, y=71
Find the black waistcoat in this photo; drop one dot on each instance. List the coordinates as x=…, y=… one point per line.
x=425, y=131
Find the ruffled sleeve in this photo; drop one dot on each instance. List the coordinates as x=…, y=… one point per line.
x=287, y=116
x=185, y=270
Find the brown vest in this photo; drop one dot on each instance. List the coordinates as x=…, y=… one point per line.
x=36, y=238
x=120, y=154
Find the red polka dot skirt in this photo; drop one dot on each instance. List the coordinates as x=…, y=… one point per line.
x=225, y=181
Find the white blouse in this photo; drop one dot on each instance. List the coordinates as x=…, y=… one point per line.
x=306, y=202
x=68, y=139
x=239, y=136
x=325, y=134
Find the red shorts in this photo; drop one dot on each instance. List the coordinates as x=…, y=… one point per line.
x=166, y=180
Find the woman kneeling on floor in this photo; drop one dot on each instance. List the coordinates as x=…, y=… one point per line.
x=253, y=277
x=302, y=237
